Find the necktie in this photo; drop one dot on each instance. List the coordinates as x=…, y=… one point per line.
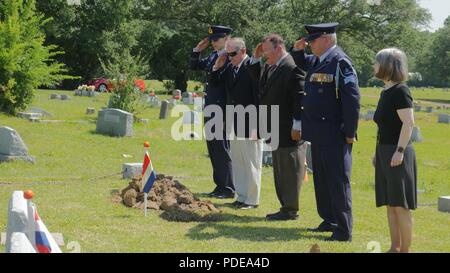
x=235, y=71
x=267, y=73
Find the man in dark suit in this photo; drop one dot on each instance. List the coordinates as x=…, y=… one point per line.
x=281, y=85
x=242, y=120
x=218, y=149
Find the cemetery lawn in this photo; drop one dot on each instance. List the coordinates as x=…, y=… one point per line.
x=77, y=173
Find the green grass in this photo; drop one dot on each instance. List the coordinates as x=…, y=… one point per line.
x=76, y=173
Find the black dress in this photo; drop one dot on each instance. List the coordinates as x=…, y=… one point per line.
x=394, y=186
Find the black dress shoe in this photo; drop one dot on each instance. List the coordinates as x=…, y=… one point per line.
x=246, y=206
x=335, y=238
x=236, y=204
x=224, y=195
x=281, y=216
x=322, y=228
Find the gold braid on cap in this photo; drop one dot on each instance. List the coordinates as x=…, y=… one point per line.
x=210, y=30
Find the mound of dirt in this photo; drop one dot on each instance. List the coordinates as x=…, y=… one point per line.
x=177, y=201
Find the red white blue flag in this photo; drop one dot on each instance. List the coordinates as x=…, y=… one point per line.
x=148, y=174
x=44, y=242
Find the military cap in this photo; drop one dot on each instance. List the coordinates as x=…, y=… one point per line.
x=315, y=31
x=216, y=32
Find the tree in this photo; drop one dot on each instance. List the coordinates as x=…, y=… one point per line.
x=25, y=63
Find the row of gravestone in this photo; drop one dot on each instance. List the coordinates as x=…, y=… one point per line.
x=85, y=93
x=60, y=97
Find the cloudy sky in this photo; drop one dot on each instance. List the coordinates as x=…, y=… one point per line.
x=439, y=9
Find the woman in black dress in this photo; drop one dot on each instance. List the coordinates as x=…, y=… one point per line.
x=395, y=160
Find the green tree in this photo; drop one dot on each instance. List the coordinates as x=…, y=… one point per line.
x=25, y=63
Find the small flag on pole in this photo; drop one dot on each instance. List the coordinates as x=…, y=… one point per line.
x=148, y=173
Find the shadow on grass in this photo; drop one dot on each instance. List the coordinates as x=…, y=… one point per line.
x=189, y=216
x=210, y=231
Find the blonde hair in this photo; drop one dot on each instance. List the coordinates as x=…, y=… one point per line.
x=237, y=43
x=393, y=65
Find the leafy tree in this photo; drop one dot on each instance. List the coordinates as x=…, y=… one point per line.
x=25, y=63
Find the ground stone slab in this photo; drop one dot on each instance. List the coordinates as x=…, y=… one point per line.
x=131, y=170
x=115, y=122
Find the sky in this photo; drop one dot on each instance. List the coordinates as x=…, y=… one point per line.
x=440, y=9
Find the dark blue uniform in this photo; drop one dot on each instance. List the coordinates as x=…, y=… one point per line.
x=219, y=150
x=330, y=112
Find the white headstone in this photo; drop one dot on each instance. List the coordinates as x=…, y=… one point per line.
x=131, y=170
x=115, y=122
x=416, y=136
x=12, y=146
x=198, y=104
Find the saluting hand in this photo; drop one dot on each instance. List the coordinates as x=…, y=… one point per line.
x=258, y=52
x=202, y=45
x=296, y=135
x=220, y=62
x=301, y=44
x=350, y=140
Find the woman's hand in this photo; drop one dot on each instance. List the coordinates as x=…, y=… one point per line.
x=202, y=45
x=397, y=159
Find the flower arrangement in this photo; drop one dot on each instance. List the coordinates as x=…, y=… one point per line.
x=85, y=87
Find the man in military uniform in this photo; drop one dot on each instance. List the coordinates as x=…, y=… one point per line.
x=330, y=111
x=218, y=149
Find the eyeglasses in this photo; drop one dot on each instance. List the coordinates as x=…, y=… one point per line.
x=232, y=54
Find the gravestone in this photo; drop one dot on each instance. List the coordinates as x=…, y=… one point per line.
x=41, y=111
x=12, y=146
x=429, y=109
x=55, y=97
x=198, y=104
x=143, y=120
x=369, y=115
x=417, y=108
x=154, y=101
x=78, y=93
x=191, y=117
x=188, y=98
x=115, y=122
x=164, y=111
x=131, y=170
x=30, y=116
x=90, y=111
x=267, y=155
x=444, y=204
x=416, y=136
x=176, y=93
x=65, y=97
x=444, y=118
x=172, y=103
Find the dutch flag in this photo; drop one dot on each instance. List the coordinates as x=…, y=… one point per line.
x=148, y=174
x=44, y=242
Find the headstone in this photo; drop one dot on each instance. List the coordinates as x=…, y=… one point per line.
x=172, y=103
x=41, y=111
x=267, y=155
x=90, y=111
x=55, y=97
x=416, y=136
x=164, y=111
x=444, y=118
x=176, y=93
x=131, y=170
x=154, y=101
x=429, y=109
x=444, y=204
x=143, y=120
x=191, y=117
x=78, y=93
x=12, y=146
x=65, y=97
x=198, y=104
x=188, y=98
x=29, y=116
x=85, y=93
x=115, y=122
x=417, y=108
x=369, y=115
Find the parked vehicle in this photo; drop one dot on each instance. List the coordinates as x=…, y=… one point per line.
x=105, y=85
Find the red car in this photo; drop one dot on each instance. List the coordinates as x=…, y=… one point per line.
x=104, y=85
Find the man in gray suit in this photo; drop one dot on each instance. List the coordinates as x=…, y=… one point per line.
x=281, y=84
